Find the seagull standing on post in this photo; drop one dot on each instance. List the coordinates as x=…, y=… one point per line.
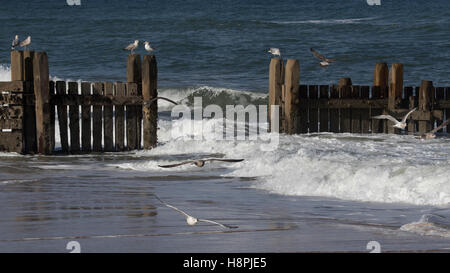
x=15, y=42
x=132, y=46
x=148, y=47
x=398, y=124
x=25, y=42
x=275, y=51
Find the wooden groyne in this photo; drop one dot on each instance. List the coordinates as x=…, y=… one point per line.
x=110, y=114
x=348, y=108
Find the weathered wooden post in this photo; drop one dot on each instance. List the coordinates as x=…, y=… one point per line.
x=381, y=75
x=149, y=91
x=134, y=79
x=276, y=81
x=29, y=114
x=17, y=71
x=345, y=92
x=42, y=101
x=380, y=85
x=425, y=101
x=291, y=101
x=345, y=82
x=395, y=92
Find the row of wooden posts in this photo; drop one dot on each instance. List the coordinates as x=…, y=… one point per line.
x=117, y=111
x=345, y=107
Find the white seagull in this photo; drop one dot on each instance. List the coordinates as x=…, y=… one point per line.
x=199, y=162
x=432, y=134
x=325, y=61
x=15, y=42
x=132, y=46
x=398, y=124
x=25, y=42
x=148, y=47
x=275, y=51
x=190, y=219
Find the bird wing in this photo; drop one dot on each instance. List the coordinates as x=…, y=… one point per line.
x=130, y=46
x=409, y=113
x=24, y=42
x=216, y=223
x=224, y=160
x=177, y=164
x=389, y=117
x=148, y=103
x=445, y=123
x=320, y=56
x=172, y=207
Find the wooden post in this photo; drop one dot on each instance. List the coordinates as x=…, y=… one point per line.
x=323, y=114
x=17, y=73
x=334, y=113
x=119, y=119
x=425, y=101
x=97, y=123
x=345, y=85
x=313, y=112
x=62, y=117
x=381, y=75
x=395, y=92
x=149, y=91
x=108, y=135
x=29, y=115
x=86, y=119
x=42, y=100
x=303, y=112
x=412, y=99
x=276, y=81
x=345, y=82
x=291, y=81
x=74, y=118
x=134, y=75
x=365, y=113
x=356, y=113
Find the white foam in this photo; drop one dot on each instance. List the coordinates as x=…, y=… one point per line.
x=326, y=21
x=379, y=168
x=5, y=73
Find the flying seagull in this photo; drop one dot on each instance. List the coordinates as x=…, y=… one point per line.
x=432, y=134
x=132, y=46
x=25, y=42
x=148, y=47
x=200, y=162
x=398, y=124
x=325, y=61
x=150, y=102
x=274, y=51
x=15, y=42
x=190, y=219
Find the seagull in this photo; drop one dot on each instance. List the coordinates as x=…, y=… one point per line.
x=199, y=162
x=432, y=134
x=325, y=61
x=25, y=42
x=398, y=124
x=150, y=102
x=190, y=219
x=132, y=46
x=15, y=42
x=274, y=51
x=148, y=47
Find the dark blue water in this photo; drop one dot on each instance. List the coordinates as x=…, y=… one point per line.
x=223, y=43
